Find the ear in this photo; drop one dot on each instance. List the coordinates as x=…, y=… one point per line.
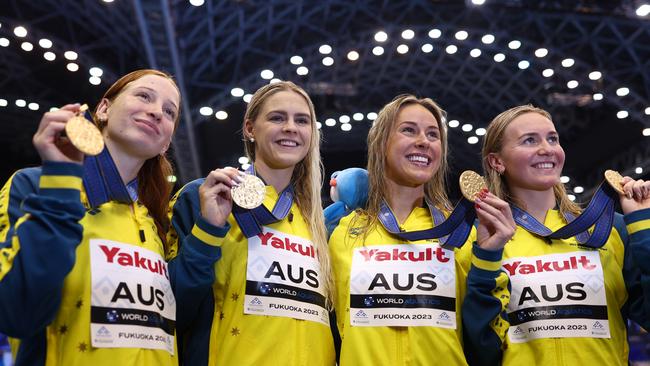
x=496, y=162
x=102, y=109
x=248, y=129
x=164, y=150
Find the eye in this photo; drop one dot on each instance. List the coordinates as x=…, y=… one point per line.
x=407, y=130
x=144, y=96
x=170, y=112
x=276, y=118
x=529, y=140
x=553, y=140
x=433, y=135
x=303, y=120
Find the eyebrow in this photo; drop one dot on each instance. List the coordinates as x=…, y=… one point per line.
x=528, y=134
x=155, y=91
x=285, y=113
x=414, y=123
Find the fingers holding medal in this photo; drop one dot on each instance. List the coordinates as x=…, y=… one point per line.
x=224, y=186
x=634, y=193
x=630, y=188
x=637, y=189
x=50, y=139
x=496, y=224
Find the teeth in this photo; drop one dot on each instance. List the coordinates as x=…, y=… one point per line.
x=418, y=159
x=544, y=165
x=288, y=143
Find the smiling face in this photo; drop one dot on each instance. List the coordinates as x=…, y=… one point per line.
x=531, y=157
x=414, y=147
x=282, y=130
x=140, y=120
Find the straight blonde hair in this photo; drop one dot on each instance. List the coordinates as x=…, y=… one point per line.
x=307, y=177
x=493, y=143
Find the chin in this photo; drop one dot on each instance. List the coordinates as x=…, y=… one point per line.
x=544, y=186
x=146, y=152
x=290, y=160
x=137, y=147
x=423, y=176
x=284, y=163
x=416, y=180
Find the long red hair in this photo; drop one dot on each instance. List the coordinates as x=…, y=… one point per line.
x=153, y=187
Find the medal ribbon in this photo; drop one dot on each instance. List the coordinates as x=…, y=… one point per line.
x=599, y=212
x=103, y=183
x=452, y=232
x=251, y=221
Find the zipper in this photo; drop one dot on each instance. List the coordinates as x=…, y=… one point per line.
x=558, y=352
x=141, y=234
x=398, y=347
x=299, y=359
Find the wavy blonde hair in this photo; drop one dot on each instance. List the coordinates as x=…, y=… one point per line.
x=493, y=143
x=307, y=177
x=378, y=137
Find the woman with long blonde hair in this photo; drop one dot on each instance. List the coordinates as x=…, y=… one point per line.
x=398, y=301
x=270, y=285
x=539, y=300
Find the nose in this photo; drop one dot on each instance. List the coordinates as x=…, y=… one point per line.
x=421, y=140
x=545, y=148
x=156, y=111
x=290, y=125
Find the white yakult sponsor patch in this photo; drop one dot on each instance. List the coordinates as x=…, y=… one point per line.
x=132, y=304
x=283, y=278
x=557, y=296
x=403, y=285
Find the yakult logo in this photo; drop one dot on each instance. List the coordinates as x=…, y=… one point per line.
x=134, y=259
x=427, y=254
x=280, y=242
x=540, y=266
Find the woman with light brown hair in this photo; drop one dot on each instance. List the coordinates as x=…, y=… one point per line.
x=544, y=300
x=83, y=257
x=398, y=300
x=266, y=278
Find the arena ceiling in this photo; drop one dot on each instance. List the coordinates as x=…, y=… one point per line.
x=588, y=62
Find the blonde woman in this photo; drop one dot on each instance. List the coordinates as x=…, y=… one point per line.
x=265, y=300
x=398, y=301
x=543, y=301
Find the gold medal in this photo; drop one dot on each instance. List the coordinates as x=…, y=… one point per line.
x=615, y=180
x=83, y=134
x=471, y=184
x=250, y=193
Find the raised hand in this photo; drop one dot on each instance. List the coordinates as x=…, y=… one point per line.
x=214, y=193
x=49, y=143
x=637, y=195
x=496, y=224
